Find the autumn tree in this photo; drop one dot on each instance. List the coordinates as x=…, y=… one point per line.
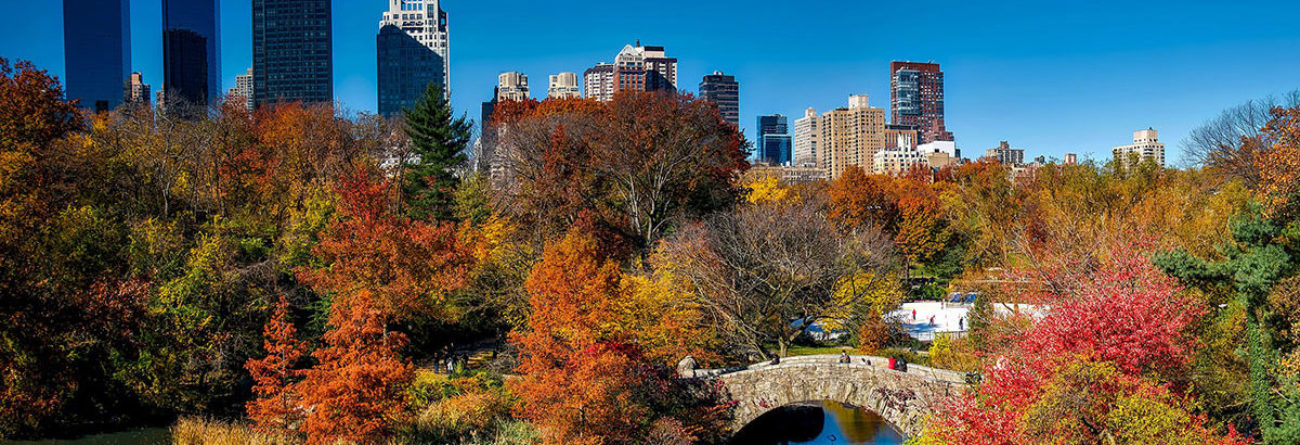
x=356, y=391
x=767, y=273
x=857, y=200
x=277, y=408
x=585, y=377
x=922, y=229
x=1095, y=369
x=1230, y=143
x=438, y=141
x=642, y=161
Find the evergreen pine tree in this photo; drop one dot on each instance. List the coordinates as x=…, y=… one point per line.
x=439, y=140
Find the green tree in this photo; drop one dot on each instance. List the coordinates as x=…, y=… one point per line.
x=438, y=139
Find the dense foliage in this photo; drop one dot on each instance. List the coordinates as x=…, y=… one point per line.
x=322, y=278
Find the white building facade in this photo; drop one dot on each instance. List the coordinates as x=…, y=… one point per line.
x=1146, y=146
x=805, y=139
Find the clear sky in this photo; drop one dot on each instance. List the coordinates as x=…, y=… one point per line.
x=1051, y=76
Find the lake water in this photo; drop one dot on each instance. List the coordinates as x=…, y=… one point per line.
x=824, y=423
x=147, y=436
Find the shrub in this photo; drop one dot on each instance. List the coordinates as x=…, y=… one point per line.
x=199, y=431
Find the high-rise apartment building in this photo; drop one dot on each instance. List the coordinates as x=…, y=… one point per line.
x=805, y=139
x=1146, y=146
x=1006, y=155
x=850, y=136
x=137, y=92
x=916, y=99
x=774, y=142
x=598, y=82
x=724, y=91
x=644, y=68
x=243, y=89
x=293, y=51
x=512, y=86
x=192, y=50
x=412, y=50
x=96, y=51
x=563, y=86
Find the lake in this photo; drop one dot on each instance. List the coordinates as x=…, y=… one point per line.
x=818, y=423
x=146, y=436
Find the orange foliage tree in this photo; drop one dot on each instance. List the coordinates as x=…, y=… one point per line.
x=356, y=392
x=858, y=200
x=583, y=381
x=1279, y=164
x=276, y=408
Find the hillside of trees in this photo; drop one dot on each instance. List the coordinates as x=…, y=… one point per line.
x=292, y=275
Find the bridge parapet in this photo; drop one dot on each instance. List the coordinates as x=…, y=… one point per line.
x=905, y=399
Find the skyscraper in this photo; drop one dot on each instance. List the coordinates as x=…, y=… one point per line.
x=774, y=144
x=412, y=49
x=850, y=136
x=564, y=86
x=293, y=51
x=97, y=51
x=598, y=82
x=805, y=138
x=724, y=91
x=916, y=98
x=137, y=92
x=192, y=50
x=243, y=89
x=512, y=86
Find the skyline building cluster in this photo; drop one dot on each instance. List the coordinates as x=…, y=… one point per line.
x=292, y=60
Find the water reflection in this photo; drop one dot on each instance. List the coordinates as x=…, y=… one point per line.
x=148, y=436
x=823, y=423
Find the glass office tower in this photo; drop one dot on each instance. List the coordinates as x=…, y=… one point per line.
x=411, y=49
x=774, y=142
x=293, y=51
x=97, y=51
x=192, y=50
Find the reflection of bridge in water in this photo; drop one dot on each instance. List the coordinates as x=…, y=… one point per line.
x=905, y=399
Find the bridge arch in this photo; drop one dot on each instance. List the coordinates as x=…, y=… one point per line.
x=905, y=399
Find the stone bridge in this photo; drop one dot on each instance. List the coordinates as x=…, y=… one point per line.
x=905, y=399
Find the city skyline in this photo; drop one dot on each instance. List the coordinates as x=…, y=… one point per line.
x=1055, y=94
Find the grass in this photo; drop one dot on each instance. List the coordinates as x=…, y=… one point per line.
x=198, y=431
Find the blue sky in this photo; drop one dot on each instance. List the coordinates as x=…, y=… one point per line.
x=1053, y=77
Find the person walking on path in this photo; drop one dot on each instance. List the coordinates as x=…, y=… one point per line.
x=931, y=320
x=961, y=324
x=913, y=314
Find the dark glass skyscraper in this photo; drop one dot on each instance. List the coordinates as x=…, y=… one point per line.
x=774, y=142
x=723, y=90
x=412, y=46
x=192, y=50
x=293, y=51
x=97, y=51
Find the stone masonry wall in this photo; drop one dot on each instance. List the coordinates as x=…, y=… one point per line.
x=905, y=399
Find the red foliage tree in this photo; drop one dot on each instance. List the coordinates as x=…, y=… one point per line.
x=1119, y=331
x=276, y=408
